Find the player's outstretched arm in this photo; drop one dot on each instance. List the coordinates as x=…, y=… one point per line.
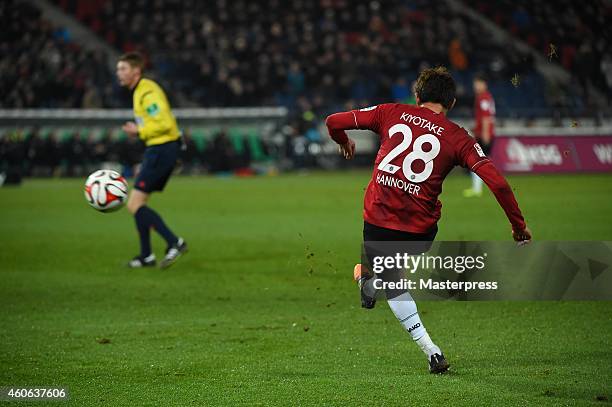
x=336, y=124
x=368, y=118
x=504, y=195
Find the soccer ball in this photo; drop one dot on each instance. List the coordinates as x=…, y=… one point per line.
x=106, y=190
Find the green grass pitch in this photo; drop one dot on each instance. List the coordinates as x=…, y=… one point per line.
x=263, y=309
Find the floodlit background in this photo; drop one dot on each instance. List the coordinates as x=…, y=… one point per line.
x=263, y=309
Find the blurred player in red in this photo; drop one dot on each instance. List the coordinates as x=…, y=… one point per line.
x=419, y=146
x=484, y=128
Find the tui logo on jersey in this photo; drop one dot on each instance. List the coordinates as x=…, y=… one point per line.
x=153, y=109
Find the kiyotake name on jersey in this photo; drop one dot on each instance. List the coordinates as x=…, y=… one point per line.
x=423, y=123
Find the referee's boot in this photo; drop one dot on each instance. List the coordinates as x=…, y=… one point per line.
x=173, y=253
x=142, y=262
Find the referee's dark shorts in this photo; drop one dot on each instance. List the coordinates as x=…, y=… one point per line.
x=157, y=166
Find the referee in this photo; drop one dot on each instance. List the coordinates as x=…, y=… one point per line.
x=156, y=126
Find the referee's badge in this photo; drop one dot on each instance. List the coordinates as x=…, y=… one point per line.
x=153, y=109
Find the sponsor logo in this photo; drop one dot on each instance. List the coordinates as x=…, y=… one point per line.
x=487, y=105
x=525, y=156
x=479, y=150
x=603, y=152
x=413, y=327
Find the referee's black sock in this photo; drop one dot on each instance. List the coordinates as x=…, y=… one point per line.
x=151, y=218
x=144, y=228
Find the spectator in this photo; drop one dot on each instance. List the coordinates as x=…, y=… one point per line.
x=221, y=153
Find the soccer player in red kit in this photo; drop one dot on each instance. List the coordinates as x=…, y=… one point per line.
x=484, y=127
x=419, y=146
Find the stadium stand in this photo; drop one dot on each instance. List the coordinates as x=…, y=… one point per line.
x=309, y=55
x=42, y=65
x=580, y=41
x=313, y=57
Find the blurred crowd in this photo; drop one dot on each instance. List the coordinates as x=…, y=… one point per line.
x=77, y=153
x=575, y=34
x=311, y=56
x=42, y=66
x=55, y=154
x=307, y=55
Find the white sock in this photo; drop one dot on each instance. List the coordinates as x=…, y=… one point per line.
x=476, y=183
x=427, y=345
x=405, y=310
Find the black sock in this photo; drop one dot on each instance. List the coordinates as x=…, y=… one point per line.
x=153, y=219
x=143, y=226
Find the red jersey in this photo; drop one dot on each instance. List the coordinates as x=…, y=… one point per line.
x=418, y=148
x=484, y=106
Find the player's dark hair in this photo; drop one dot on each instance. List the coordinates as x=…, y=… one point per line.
x=436, y=85
x=135, y=59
